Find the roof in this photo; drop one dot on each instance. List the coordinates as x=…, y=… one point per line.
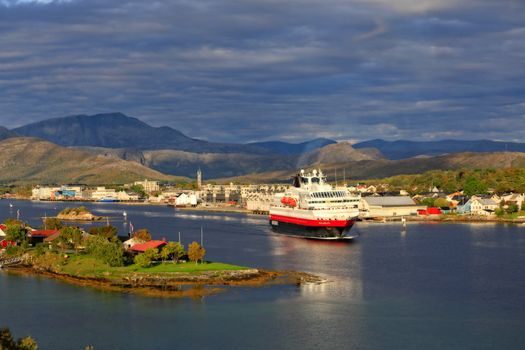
x=142, y=247
x=52, y=237
x=487, y=201
x=5, y=243
x=43, y=233
x=389, y=201
x=3, y=227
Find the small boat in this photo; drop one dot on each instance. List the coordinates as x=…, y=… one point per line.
x=10, y=205
x=108, y=199
x=124, y=214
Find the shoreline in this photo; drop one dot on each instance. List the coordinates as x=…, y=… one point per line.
x=174, y=285
x=226, y=210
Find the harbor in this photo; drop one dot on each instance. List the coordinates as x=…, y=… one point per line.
x=386, y=286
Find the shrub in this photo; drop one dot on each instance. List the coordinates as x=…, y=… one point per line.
x=110, y=252
x=145, y=259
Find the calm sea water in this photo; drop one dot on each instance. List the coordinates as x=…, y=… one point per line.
x=446, y=286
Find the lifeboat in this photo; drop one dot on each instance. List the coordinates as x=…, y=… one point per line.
x=289, y=201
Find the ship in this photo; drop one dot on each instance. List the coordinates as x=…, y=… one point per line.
x=312, y=208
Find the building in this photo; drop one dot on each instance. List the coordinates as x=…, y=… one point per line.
x=482, y=206
x=3, y=229
x=142, y=247
x=148, y=186
x=103, y=192
x=44, y=192
x=388, y=206
x=199, y=179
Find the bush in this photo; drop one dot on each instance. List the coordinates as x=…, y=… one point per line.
x=110, y=252
x=40, y=249
x=107, y=231
x=145, y=259
x=52, y=224
x=512, y=208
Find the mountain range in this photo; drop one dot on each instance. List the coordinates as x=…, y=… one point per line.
x=130, y=143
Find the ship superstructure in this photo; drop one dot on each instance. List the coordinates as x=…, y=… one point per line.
x=312, y=208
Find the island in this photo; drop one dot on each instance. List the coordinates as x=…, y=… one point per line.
x=77, y=214
x=101, y=259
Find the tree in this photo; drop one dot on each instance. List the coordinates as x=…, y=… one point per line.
x=16, y=233
x=196, y=252
x=107, y=231
x=523, y=206
x=70, y=237
x=138, y=189
x=52, y=224
x=512, y=208
x=429, y=202
x=474, y=186
x=145, y=259
x=142, y=234
x=441, y=202
x=8, y=343
x=110, y=252
x=173, y=250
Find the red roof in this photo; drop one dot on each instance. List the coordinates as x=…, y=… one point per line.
x=142, y=247
x=5, y=243
x=43, y=233
x=3, y=227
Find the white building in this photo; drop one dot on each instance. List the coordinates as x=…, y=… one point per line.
x=148, y=186
x=482, y=206
x=186, y=199
x=388, y=206
x=43, y=192
x=103, y=192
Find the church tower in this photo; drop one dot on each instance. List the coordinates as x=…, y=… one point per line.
x=199, y=179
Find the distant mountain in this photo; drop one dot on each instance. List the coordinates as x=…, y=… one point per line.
x=29, y=160
x=406, y=149
x=376, y=169
x=116, y=130
x=6, y=133
x=285, y=148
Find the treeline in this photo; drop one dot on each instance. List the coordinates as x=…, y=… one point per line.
x=471, y=181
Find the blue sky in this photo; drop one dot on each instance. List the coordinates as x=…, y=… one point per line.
x=238, y=71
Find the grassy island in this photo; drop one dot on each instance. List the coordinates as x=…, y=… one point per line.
x=101, y=259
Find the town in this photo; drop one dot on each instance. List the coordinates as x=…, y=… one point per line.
x=376, y=201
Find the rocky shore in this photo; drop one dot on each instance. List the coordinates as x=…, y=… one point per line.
x=178, y=284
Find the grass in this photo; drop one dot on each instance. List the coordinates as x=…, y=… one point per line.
x=86, y=266
x=169, y=267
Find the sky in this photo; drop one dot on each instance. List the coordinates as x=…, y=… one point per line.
x=257, y=70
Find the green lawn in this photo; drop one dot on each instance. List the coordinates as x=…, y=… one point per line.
x=87, y=266
x=185, y=267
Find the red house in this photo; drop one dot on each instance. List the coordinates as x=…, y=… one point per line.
x=5, y=243
x=38, y=236
x=142, y=247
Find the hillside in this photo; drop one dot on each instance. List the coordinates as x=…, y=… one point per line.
x=218, y=165
x=376, y=169
x=116, y=130
x=29, y=160
x=337, y=153
x=402, y=149
x=285, y=148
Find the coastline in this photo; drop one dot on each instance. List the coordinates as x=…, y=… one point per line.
x=220, y=209
x=174, y=285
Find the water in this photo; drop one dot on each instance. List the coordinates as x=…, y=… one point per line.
x=446, y=286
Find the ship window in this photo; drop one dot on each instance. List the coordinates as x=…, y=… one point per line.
x=315, y=180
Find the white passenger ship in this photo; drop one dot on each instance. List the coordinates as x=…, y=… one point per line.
x=311, y=208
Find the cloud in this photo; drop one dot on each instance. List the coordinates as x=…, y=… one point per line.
x=238, y=71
